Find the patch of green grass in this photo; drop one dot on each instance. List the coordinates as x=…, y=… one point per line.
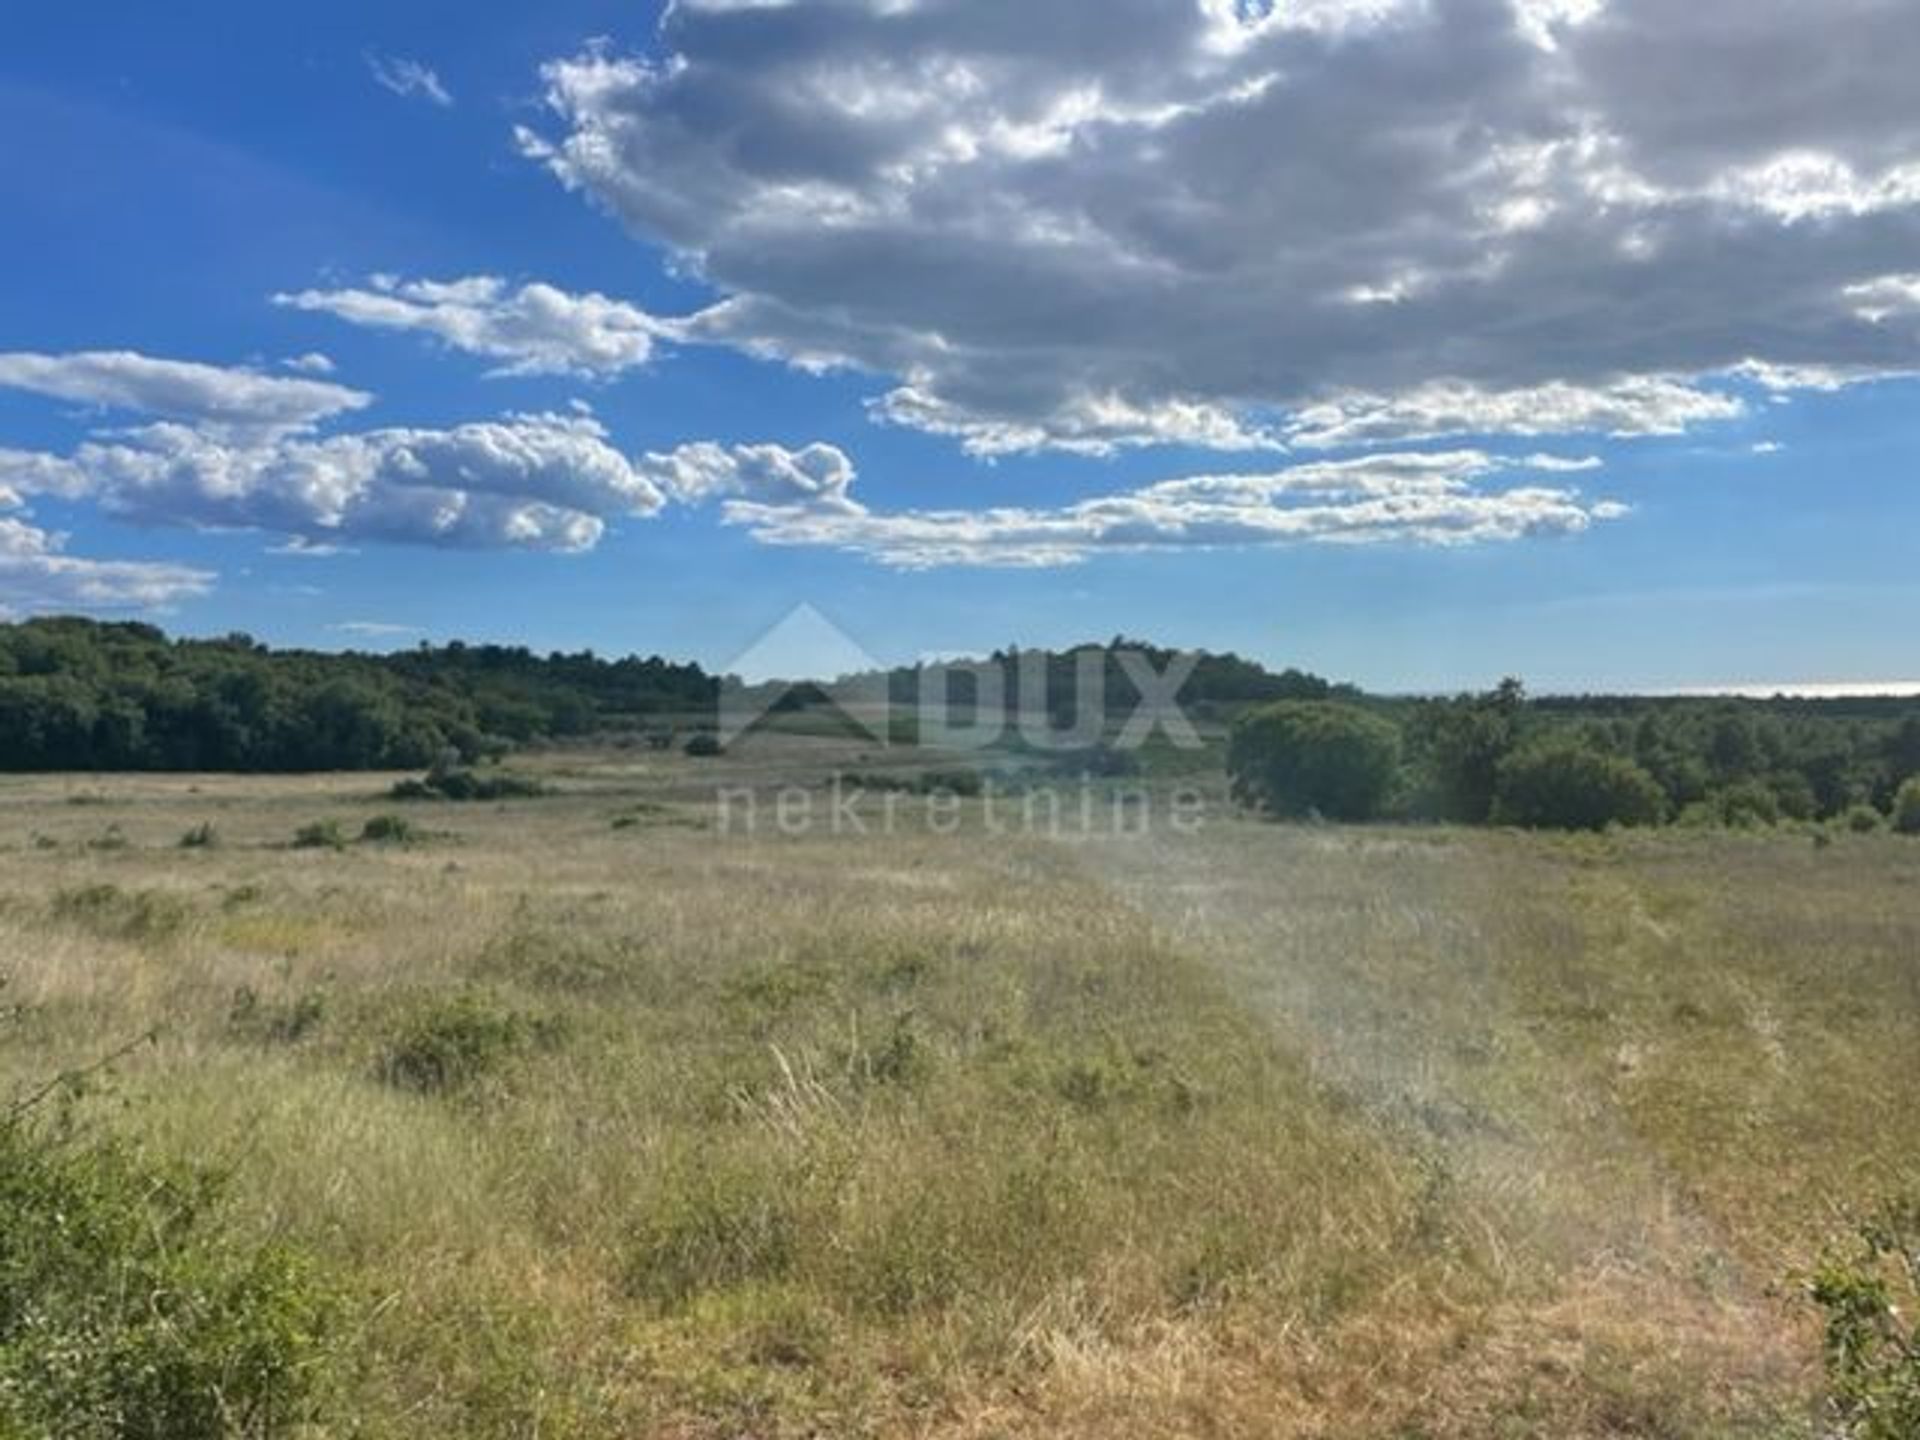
x=110, y=912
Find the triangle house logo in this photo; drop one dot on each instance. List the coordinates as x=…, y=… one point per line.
x=805, y=656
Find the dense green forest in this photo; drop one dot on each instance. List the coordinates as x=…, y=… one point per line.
x=1583, y=762
x=85, y=695
x=1057, y=681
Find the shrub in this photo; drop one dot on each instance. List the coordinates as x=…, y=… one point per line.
x=705, y=747
x=453, y=1043
x=285, y=1023
x=201, y=837
x=1314, y=757
x=1747, y=805
x=1864, y=820
x=1562, y=785
x=388, y=830
x=1794, y=795
x=468, y=785
x=116, y=914
x=320, y=835
x=1869, y=1289
x=127, y=1310
x=1906, y=807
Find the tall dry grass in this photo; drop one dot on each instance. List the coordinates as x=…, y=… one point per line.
x=634, y=1128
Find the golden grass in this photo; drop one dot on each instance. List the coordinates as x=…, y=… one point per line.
x=1254, y=1132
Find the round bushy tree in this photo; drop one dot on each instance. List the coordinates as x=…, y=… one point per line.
x=1304, y=757
x=1564, y=785
x=1906, y=808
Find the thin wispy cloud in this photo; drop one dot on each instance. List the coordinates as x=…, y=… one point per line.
x=532, y=329
x=408, y=78
x=178, y=389
x=374, y=629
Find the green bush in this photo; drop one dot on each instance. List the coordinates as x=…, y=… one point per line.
x=1869, y=1289
x=1864, y=820
x=1906, y=808
x=468, y=785
x=388, y=830
x=320, y=835
x=451, y=1044
x=1748, y=805
x=128, y=1310
x=1564, y=785
x=201, y=837
x=1308, y=757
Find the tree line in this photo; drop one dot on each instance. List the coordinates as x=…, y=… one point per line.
x=1584, y=763
x=80, y=694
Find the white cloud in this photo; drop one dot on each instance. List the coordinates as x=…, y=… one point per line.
x=374, y=629
x=178, y=389
x=37, y=575
x=533, y=330
x=1562, y=216
x=1083, y=424
x=311, y=363
x=1655, y=405
x=553, y=482
x=1417, y=499
x=1879, y=300
x=408, y=78
x=816, y=477
x=537, y=482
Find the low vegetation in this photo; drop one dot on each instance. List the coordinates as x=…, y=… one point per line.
x=1869, y=1289
x=131, y=1304
x=456, y=782
x=1583, y=765
x=554, y=1129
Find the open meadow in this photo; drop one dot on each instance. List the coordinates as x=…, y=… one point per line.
x=590, y=1117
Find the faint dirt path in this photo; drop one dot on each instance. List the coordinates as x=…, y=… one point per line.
x=1465, y=992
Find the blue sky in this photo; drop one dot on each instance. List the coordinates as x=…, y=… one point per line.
x=1415, y=343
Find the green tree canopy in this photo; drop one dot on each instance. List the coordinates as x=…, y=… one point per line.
x=1308, y=757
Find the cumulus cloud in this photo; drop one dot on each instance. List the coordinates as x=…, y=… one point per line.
x=178, y=389
x=1420, y=499
x=408, y=78
x=1210, y=222
x=553, y=482
x=533, y=330
x=311, y=363
x=537, y=482
x=37, y=575
x=816, y=477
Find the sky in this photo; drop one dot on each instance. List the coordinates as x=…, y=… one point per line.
x=1415, y=342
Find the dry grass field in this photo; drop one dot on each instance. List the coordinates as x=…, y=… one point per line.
x=606, y=1123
